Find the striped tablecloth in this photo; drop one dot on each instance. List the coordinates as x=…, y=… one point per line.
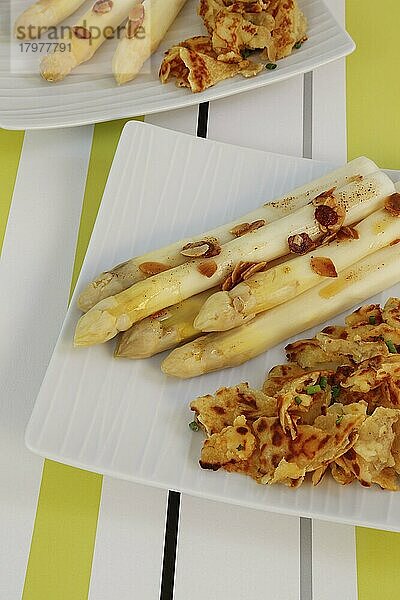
x=68, y=534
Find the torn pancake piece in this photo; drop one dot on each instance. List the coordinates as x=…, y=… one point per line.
x=215, y=412
x=194, y=64
x=233, y=444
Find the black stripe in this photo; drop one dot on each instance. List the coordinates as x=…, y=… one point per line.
x=174, y=498
x=202, y=120
x=170, y=545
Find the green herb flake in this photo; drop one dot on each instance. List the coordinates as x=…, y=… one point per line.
x=194, y=426
x=271, y=66
x=323, y=382
x=335, y=392
x=298, y=45
x=313, y=389
x=298, y=400
x=372, y=320
x=339, y=419
x=246, y=53
x=240, y=447
x=391, y=347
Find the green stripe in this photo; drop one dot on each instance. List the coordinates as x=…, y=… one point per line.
x=10, y=152
x=64, y=534
x=373, y=121
x=373, y=82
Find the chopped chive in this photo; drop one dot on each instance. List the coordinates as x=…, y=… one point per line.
x=335, y=392
x=339, y=419
x=298, y=45
x=271, y=66
x=298, y=400
x=246, y=53
x=372, y=320
x=391, y=347
x=323, y=381
x=240, y=447
x=313, y=389
x=194, y=426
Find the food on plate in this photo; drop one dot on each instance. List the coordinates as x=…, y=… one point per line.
x=194, y=64
x=38, y=17
x=235, y=31
x=266, y=289
x=155, y=18
x=126, y=274
x=216, y=351
x=97, y=25
x=342, y=417
x=161, y=331
x=298, y=231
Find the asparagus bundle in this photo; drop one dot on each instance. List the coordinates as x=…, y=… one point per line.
x=43, y=14
x=133, y=50
x=213, y=264
x=217, y=351
x=264, y=290
x=123, y=276
x=163, y=330
x=97, y=24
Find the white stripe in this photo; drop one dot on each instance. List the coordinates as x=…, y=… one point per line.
x=184, y=120
x=333, y=544
x=128, y=553
x=269, y=118
x=233, y=553
x=329, y=105
x=35, y=273
x=334, y=562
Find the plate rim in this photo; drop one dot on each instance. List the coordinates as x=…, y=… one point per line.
x=184, y=101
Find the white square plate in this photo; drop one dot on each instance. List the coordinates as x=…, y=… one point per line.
x=125, y=418
x=27, y=102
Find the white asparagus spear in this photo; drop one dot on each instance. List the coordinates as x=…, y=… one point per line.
x=123, y=276
x=118, y=313
x=97, y=24
x=162, y=331
x=216, y=351
x=228, y=309
x=36, y=19
x=138, y=45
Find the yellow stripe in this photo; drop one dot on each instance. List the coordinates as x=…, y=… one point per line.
x=373, y=82
x=62, y=546
x=10, y=152
x=373, y=91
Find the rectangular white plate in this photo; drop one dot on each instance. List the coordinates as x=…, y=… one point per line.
x=27, y=102
x=125, y=418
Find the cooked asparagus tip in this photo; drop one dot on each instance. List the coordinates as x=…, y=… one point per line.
x=124, y=276
x=217, y=351
x=99, y=327
x=161, y=331
x=36, y=19
x=264, y=290
x=133, y=50
x=55, y=67
x=357, y=200
x=82, y=42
